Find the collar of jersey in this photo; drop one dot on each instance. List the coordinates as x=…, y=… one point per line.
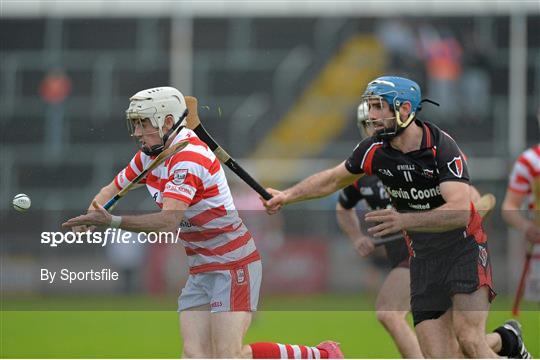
x=423, y=144
x=183, y=134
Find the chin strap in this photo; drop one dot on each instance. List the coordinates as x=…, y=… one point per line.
x=175, y=127
x=402, y=125
x=157, y=149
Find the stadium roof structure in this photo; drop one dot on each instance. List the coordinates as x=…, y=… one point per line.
x=281, y=8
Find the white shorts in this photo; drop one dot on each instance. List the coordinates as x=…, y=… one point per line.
x=224, y=290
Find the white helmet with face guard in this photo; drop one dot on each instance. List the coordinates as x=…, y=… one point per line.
x=156, y=104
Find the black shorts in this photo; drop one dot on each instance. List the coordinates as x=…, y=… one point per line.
x=397, y=253
x=462, y=268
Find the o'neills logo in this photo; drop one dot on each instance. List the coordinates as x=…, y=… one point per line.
x=456, y=166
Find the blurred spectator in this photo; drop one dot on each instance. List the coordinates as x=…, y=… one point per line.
x=400, y=42
x=442, y=54
x=55, y=87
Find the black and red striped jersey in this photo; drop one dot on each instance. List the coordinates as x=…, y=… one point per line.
x=412, y=179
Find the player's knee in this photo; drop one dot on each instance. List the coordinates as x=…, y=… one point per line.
x=390, y=318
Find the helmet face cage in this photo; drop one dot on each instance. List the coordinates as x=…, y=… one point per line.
x=390, y=125
x=135, y=112
x=132, y=125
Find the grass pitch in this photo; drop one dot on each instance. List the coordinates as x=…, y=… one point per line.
x=155, y=334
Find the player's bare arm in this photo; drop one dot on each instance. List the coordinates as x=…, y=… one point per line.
x=316, y=186
x=452, y=215
x=513, y=216
x=475, y=194
x=348, y=222
x=107, y=192
x=168, y=219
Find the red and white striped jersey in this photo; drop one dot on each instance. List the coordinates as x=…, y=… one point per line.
x=525, y=176
x=214, y=236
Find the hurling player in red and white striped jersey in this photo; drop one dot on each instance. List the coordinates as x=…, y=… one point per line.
x=524, y=186
x=190, y=187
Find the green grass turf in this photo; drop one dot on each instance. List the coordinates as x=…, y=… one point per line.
x=154, y=334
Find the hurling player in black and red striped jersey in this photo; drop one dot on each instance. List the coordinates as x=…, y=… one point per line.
x=392, y=303
x=427, y=179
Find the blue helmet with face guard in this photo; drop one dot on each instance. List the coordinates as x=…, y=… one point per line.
x=395, y=91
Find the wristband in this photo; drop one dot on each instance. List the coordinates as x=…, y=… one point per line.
x=115, y=222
